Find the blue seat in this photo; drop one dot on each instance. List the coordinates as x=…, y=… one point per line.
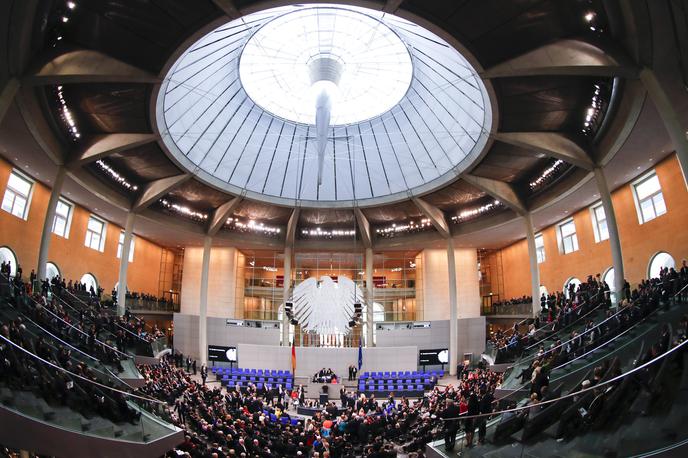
x=419, y=387
x=410, y=387
x=294, y=421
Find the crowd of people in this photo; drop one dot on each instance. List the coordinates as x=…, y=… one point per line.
x=74, y=386
x=251, y=422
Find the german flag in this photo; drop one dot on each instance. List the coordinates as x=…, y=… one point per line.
x=293, y=358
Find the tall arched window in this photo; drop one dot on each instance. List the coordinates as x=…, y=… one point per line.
x=659, y=261
x=7, y=255
x=571, y=281
x=89, y=280
x=608, y=278
x=51, y=270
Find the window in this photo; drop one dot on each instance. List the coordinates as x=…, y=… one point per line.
x=571, y=286
x=51, y=270
x=7, y=255
x=658, y=262
x=120, y=245
x=608, y=278
x=567, y=235
x=649, y=200
x=16, y=200
x=599, y=223
x=90, y=281
x=540, y=248
x=63, y=218
x=95, y=233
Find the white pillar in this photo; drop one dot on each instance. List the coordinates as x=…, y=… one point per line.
x=672, y=123
x=203, y=306
x=285, y=295
x=48, y=223
x=124, y=263
x=370, y=291
x=614, y=240
x=534, y=268
x=453, y=309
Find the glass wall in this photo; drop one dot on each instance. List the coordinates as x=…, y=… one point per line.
x=396, y=292
x=263, y=282
x=395, y=286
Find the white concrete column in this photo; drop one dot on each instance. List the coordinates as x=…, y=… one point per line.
x=203, y=305
x=672, y=123
x=453, y=309
x=124, y=263
x=370, y=292
x=614, y=239
x=534, y=268
x=48, y=223
x=285, y=295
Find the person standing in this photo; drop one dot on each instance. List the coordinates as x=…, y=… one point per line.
x=193, y=366
x=486, y=401
x=451, y=424
x=204, y=373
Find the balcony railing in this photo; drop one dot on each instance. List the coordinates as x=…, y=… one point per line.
x=152, y=306
x=519, y=309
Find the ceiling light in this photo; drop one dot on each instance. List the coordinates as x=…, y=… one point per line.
x=71, y=5
x=589, y=16
x=65, y=19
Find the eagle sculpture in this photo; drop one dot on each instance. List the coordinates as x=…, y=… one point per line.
x=325, y=306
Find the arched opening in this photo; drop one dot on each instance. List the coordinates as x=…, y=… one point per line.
x=608, y=278
x=658, y=262
x=571, y=281
x=7, y=255
x=89, y=280
x=543, y=290
x=52, y=271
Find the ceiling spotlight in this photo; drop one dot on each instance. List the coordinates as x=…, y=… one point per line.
x=71, y=5
x=65, y=19
x=589, y=16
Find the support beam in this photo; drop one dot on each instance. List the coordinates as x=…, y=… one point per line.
x=672, y=123
x=534, y=267
x=101, y=146
x=158, y=188
x=124, y=264
x=291, y=227
x=552, y=144
x=370, y=293
x=566, y=57
x=435, y=215
x=286, y=294
x=453, y=309
x=392, y=5
x=499, y=190
x=203, y=304
x=87, y=66
x=7, y=96
x=48, y=223
x=228, y=7
x=221, y=214
x=612, y=227
x=363, y=228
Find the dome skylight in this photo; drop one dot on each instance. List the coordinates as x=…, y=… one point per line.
x=283, y=59
x=321, y=106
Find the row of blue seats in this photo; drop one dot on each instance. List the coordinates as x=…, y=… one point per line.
x=404, y=374
x=406, y=381
x=238, y=370
x=255, y=378
x=259, y=385
x=398, y=388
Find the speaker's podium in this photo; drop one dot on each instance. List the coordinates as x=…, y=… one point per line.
x=324, y=395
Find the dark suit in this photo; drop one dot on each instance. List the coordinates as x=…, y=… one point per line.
x=451, y=426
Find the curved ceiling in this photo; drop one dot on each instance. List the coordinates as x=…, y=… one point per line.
x=411, y=112
x=545, y=65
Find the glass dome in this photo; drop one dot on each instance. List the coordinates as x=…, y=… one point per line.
x=402, y=112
